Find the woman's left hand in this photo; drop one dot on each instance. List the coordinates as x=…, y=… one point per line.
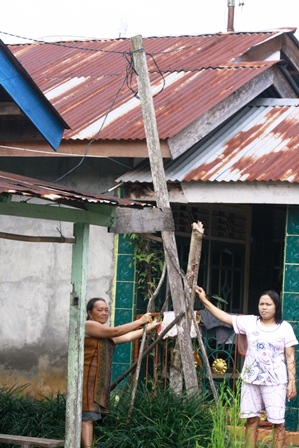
x=154, y=324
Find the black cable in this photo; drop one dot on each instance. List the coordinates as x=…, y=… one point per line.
x=128, y=79
x=95, y=136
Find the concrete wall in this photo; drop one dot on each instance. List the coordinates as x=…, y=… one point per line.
x=34, y=301
x=35, y=281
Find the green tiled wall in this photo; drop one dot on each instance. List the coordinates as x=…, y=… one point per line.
x=291, y=298
x=124, y=310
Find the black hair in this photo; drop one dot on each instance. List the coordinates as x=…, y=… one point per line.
x=90, y=304
x=277, y=302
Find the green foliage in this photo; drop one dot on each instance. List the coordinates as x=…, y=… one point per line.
x=159, y=420
x=149, y=259
x=22, y=415
x=218, y=299
x=227, y=414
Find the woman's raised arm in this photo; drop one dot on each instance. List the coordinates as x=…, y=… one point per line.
x=217, y=312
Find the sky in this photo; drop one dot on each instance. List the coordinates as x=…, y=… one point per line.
x=51, y=20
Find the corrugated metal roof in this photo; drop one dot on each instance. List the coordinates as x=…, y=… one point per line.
x=260, y=143
x=26, y=186
x=86, y=80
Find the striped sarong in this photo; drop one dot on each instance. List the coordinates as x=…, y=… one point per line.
x=97, y=374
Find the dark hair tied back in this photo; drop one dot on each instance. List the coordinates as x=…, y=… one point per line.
x=90, y=305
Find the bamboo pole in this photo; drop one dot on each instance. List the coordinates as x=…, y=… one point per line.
x=142, y=345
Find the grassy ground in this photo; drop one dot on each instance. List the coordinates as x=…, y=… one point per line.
x=160, y=419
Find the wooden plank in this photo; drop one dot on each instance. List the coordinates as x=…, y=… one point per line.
x=30, y=441
x=147, y=220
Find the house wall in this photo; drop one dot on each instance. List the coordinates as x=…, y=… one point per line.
x=35, y=291
x=124, y=309
x=291, y=298
x=35, y=280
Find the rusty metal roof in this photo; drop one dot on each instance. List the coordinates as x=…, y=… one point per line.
x=28, y=187
x=260, y=143
x=87, y=81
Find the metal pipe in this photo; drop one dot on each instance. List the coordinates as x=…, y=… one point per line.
x=231, y=14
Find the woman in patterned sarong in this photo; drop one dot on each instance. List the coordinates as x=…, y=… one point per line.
x=99, y=344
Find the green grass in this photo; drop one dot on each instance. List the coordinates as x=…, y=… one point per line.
x=159, y=420
x=227, y=413
x=22, y=415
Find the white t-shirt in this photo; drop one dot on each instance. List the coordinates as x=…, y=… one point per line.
x=265, y=357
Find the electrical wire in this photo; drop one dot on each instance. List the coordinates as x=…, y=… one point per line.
x=128, y=80
x=95, y=136
x=60, y=44
x=78, y=47
x=130, y=72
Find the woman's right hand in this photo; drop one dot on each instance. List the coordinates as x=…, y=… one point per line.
x=217, y=312
x=146, y=319
x=201, y=294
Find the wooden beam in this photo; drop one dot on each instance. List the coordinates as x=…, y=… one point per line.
x=30, y=99
x=291, y=50
x=147, y=220
x=75, y=148
x=284, y=89
x=56, y=213
x=264, y=50
x=76, y=337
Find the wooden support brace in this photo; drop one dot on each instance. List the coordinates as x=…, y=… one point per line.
x=27, y=442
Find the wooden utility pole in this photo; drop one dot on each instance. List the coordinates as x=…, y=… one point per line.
x=168, y=238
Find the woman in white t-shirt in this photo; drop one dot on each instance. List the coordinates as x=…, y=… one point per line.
x=269, y=371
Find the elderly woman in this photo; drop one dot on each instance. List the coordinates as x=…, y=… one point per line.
x=99, y=344
x=269, y=371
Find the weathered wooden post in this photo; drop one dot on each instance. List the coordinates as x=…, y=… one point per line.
x=76, y=337
x=160, y=187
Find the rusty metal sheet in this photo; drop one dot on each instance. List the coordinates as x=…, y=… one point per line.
x=83, y=79
x=26, y=186
x=261, y=143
